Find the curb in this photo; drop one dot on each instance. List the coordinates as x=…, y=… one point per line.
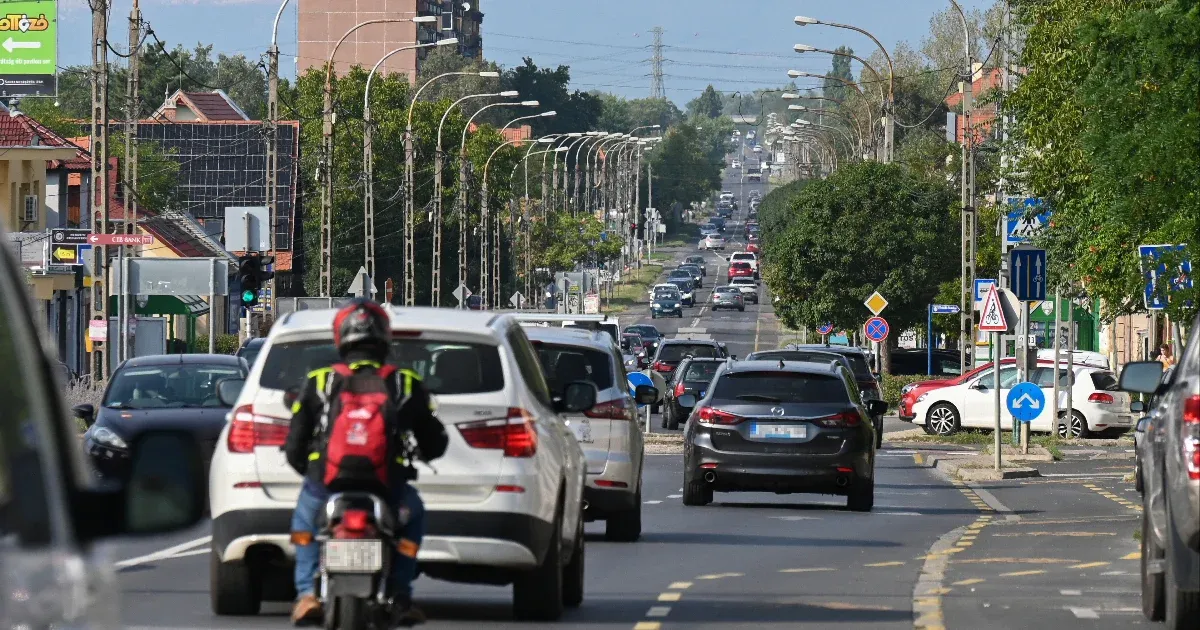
x=967, y=473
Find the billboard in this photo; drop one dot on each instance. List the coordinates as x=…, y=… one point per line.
x=28, y=48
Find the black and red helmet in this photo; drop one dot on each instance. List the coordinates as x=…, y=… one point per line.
x=362, y=324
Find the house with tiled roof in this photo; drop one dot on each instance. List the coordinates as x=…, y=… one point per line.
x=212, y=106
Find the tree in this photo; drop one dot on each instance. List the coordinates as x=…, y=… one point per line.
x=867, y=227
x=683, y=167
x=707, y=104
x=841, y=68
x=577, y=111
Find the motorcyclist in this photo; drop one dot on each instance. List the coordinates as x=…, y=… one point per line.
x=362, y=334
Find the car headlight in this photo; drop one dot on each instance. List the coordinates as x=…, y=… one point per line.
x=107, y=437
x=922, y=396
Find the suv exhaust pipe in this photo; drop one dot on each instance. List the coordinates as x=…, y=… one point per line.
x=842, y=482
x=710, y=476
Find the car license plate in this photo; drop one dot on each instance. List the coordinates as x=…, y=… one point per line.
x=352, y=556
x=785, y=431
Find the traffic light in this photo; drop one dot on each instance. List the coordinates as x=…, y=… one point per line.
x=248, y=278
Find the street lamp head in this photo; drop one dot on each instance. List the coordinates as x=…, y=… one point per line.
x=489, y=74
x=449, y=41
x=796, y=74
x=530, y=103
x=789, y=96
x=656, y=126
x=802, y=20
x=545, y=140
x=803, y=48
x=798, y=108
x=561, y=149
x=575, y=134
x=424, y=19
x=549, y=113
x=509, y=93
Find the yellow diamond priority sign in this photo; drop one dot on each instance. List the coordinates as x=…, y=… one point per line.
x=876, y=303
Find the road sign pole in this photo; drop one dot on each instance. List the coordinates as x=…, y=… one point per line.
x=996, y=394
x=929, y=345
x=1057, y=356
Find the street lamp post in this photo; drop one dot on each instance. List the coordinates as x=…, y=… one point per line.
x=369, y=158
x=326, y=231
x=272, y=133
x=436, y=271
x=795, y=74
x=410, y=259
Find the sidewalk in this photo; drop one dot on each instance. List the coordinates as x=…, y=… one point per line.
x=1060, y=552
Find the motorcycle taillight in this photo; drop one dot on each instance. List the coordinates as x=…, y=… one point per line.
x=354, y=524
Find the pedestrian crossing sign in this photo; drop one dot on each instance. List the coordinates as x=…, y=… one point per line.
x=993, y=319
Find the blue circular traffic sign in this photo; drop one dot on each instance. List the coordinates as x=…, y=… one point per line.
x=635, y=379
x=876, y=329
x=825, y=329
x=1026, y=401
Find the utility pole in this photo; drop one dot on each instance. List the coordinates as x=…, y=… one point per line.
x=326, y=169
x=462, y=222
x=410, y=256
x=485, y=229
x=967, y=312
x=130, y=176
x=99, y=151
x=656, y=66
x=435, y=298
x=272, y=132
x=368, y=192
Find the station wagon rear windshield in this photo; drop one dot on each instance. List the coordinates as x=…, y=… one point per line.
x=794, y=387
x=446, y=367
x=677, y=351
x=564, y=364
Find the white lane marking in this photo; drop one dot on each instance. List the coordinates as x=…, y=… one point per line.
x=185, y=554
x=674, y=496
x=653, y=502
x=1070, y=591
x=658, y=611
x=898, y=513
x=1083, y=613
x=164, y=553
x=1083, y=475
x=796, y=518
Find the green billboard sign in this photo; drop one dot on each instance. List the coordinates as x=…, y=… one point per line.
x=28, y=48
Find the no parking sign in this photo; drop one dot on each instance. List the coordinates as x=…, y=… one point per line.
x=876, y=329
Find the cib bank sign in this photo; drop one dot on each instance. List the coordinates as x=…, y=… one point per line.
x=28, y=48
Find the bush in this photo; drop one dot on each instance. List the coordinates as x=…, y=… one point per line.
x=226, y=344
x=892, y=383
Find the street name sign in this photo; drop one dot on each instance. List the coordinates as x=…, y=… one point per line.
x=1026, y=401
x=944, y=309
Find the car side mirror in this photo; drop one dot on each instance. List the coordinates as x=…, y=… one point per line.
x=1142, y=424
x=163, y=491
x=1141, y=377
x=645, y=394
x=576, y=397
x=877, y=407
x=979, y=385
x=229, y=389
x=85, y=412
x=733, y=357
x=686, y=400
x=1137, y=406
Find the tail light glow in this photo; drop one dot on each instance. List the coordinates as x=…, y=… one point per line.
x=617, y=409
x=1102, y=398
x=605, y=483
x=659, y=366
x=515, y=435
x=249, y=430
x=354, y=520
x=840, y=419
x=1190, y=438
x=712, y=415
x=679, y=389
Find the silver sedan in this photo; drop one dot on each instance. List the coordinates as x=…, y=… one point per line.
x=728, y=297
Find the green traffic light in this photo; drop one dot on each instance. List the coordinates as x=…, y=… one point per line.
x=248, y=296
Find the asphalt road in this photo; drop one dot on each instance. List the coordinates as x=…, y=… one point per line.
x=760, y=561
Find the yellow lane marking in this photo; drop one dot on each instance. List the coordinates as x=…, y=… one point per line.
x=813, y=570
x=918, y=459
x=1006, y=560
x=894, y=563
x=647, y=625
x=1064, y=534
x=1089, y=565
x=1137, y=555
x=669, y=597
x=968, y=582
x=968, y=537
x=679, y=586
x=964, y=544
x=1020, y=573
x=849, y=606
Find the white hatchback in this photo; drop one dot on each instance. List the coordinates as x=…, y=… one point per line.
x=504, y=504
x=1097, y=404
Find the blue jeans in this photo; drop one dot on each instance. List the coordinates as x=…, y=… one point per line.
x=404, y=565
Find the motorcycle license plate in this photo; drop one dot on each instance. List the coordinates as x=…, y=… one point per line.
x=352, y=556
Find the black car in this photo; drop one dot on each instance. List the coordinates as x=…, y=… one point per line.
x=719, y=222
x=673, y=351
x=868, y=382
x=697, y=274
x=687, y=287
x=699, y=262
x=650, y=335
x=775, y=426
x=693, y=376
x=162, y=392
x=251, y=348
x=917, y=362
x=666, y=303
x=809, y=356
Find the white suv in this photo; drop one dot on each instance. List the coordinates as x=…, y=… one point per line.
x=609, y=431
x=504, y=504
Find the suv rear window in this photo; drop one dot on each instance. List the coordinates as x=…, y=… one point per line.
x=564, y=364
x=677, y=351
x=1105, y=381
x=781, y=387
x=740, y=265
x=702, y=370
x=446, y=367
x=746, y=257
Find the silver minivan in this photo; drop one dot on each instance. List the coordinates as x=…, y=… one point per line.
x=608, y=432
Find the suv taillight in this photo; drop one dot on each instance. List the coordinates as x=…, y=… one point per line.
x=1102, y=398
x=840, y=419
x=1190, y=436
x=618, y=409
x=712, y=415
x=679, y=389
x=249, y=430
x=516, y=435
x=659, y=366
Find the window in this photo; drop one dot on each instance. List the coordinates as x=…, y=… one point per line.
x=446, y=367
x=568, y=364
x=1008, y=377
x=1044, y=377
x=677, y=351
x=702, y=371
x=168, y=386
x=781, y=387
x=527, y=363
x=1105, y=382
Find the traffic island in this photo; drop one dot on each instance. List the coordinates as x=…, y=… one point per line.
x=663, y=443
x=982, y=467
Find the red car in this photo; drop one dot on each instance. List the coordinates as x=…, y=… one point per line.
x=752, y=248
x=911, y=392
x=740, y=270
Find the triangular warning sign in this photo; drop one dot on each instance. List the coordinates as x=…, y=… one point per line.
x=993, y=319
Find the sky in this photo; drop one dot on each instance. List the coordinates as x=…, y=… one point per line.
x=736, y=45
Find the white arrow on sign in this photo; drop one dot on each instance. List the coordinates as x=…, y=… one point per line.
x=11, y=44
x=1033, y=402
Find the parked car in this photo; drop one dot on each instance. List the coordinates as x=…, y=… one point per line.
x=53, y=517
x=1170, y=558
x=693, y=376
x=666, y=302
x=781, y=427
x=505, y=503
x=713, y=242
x=687, y=290
x=728, y=297
x=748, y=287
x=868, y=381
x=156, y=393
x=699, y=261
x=916, y=362
x=608, y=431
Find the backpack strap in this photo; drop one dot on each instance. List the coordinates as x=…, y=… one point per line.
x=325, y=393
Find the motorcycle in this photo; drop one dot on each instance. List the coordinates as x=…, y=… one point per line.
x=356, y=540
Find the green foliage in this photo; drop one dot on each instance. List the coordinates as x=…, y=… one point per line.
x=226, y=344
x=157, y=185
x=684, y=170
x=708, y=104
x=565, y=241
x=50, y=115
x=867, y=227
x=618, y=114
x=577, y=111
x=1107, y=118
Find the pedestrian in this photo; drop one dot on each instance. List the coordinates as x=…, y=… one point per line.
x=1165, y=356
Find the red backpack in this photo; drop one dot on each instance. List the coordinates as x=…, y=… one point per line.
x=358, y=440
